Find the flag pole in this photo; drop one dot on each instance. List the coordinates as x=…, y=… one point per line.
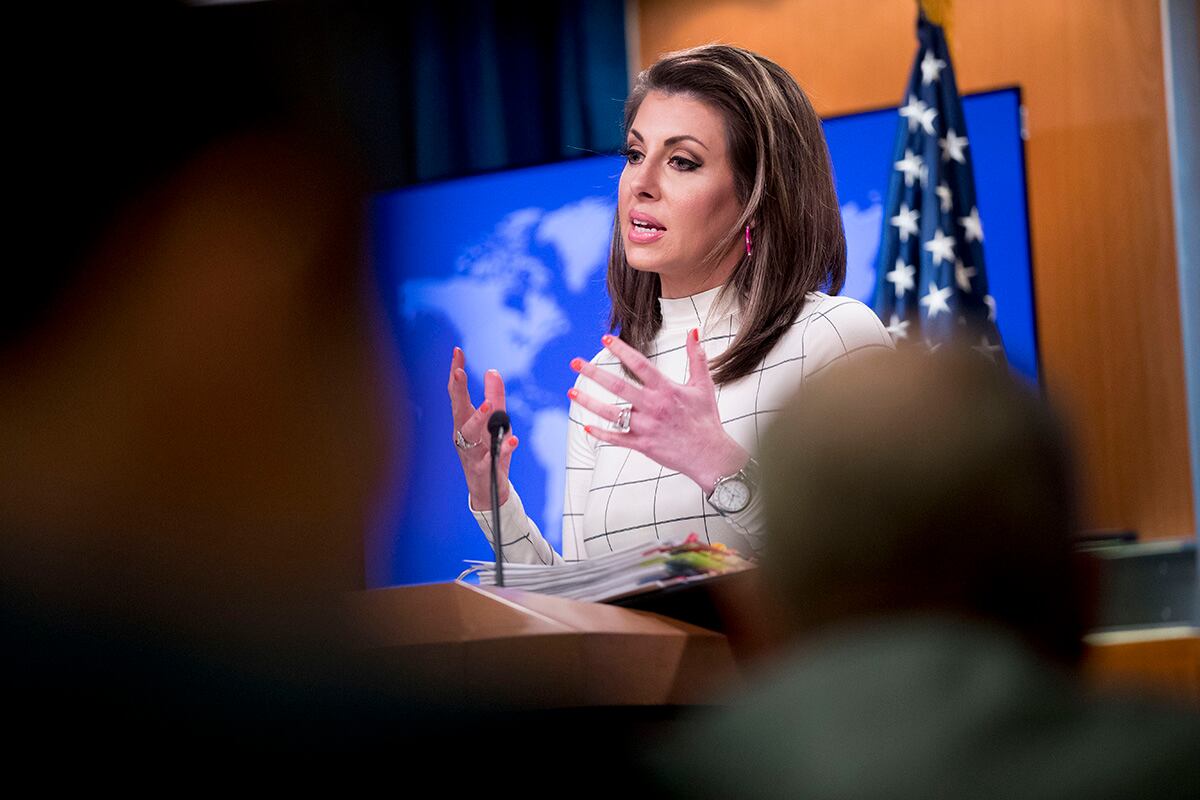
x=939, y=12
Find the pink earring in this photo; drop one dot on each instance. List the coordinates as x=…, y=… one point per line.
x=749, y=244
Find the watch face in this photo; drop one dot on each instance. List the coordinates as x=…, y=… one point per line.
x=731, y=495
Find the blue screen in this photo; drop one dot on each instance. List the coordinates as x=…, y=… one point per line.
x=511, y=267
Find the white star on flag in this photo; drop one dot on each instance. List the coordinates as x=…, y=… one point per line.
x=906, y=221
x=972, y=225
x=911, y=166
x=990, y=302
x=935, y=301
x=963, y=275
x=902, y=277
x=927, y=118
x=952, y=147
x=913, y=112
x=942, y=247
x=898, y=328
x=931, y=68
x=945, y=196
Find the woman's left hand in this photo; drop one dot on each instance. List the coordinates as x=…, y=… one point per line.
x=675, y=424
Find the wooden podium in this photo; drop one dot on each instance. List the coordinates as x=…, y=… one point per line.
x=459, y=644
x=510, y=648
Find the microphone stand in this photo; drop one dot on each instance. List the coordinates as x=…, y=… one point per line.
x=498, y=426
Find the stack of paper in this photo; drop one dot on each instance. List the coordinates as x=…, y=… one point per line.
x=618, y=574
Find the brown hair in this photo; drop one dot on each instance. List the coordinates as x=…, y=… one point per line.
x=782, y=177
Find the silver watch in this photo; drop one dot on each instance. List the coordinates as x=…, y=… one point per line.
x=732, y=493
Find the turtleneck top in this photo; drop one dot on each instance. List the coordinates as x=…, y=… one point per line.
x=616, y=497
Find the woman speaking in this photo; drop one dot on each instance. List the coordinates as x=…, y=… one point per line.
x=727, y=232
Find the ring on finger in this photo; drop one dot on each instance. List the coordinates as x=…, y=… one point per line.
x=623, y=419
x=462, y=444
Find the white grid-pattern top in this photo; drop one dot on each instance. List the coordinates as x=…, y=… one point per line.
x=616, y=497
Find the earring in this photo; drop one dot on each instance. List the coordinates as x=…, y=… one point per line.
x=749, y=243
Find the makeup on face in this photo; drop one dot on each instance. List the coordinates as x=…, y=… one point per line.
x=677, y=194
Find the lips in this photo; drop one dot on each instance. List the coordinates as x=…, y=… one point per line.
x=644, y=229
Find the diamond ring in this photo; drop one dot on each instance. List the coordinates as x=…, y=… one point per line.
x=623, y=418
x=462, y=444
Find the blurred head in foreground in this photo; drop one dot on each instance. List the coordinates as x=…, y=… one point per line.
x=916, y=482
x=919, y=510
x=197, y=412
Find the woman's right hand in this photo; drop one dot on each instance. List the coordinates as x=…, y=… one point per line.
x=472, y=422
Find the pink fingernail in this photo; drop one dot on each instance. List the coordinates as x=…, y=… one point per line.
x=572, y=393
x=587, y=428
x=485, y=407
x=607, y=339
x=577, y=364
x=695, y=334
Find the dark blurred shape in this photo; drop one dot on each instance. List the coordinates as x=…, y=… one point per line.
x=108, y=99
x=925, y=484
x=920, y=567
x=198, y=410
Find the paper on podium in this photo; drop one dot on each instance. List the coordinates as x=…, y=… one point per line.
x=633, y=570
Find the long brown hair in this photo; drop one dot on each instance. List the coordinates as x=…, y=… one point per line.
x=783, y=180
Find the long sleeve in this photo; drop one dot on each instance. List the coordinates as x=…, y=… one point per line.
x=581, y=460
x=750, y=522
x=523, y=541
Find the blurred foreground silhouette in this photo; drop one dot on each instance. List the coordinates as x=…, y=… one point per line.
x=198, y=415
x=920, y=568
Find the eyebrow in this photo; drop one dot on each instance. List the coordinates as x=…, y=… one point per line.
x=672, y=140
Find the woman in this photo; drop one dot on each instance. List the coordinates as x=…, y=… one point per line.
x=727, y=229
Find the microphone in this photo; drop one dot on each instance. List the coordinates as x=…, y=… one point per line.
x=498, y=426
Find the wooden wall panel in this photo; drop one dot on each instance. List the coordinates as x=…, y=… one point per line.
x=1166, y=666
x=1099, y=197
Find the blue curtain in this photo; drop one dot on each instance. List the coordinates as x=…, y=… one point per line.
x=443, y=90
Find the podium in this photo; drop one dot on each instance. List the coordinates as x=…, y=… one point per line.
x=457, y=644
x=509, y=648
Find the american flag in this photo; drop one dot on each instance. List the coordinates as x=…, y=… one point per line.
x=931, y=286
